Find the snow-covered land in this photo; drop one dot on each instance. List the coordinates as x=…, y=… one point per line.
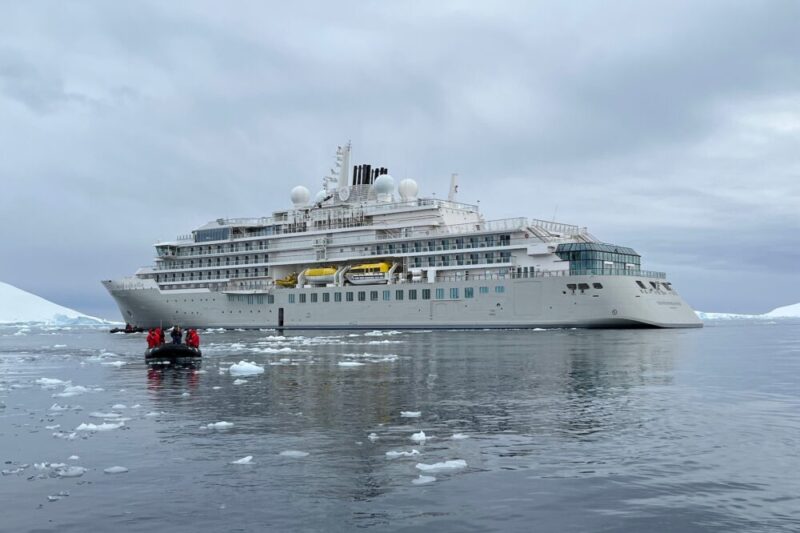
x=787, y=311
x=18, y=306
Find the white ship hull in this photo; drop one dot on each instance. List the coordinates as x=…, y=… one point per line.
x=542, y=302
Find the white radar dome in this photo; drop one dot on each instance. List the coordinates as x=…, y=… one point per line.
x=408, y=189
x=384, y=184
x=321, y=195
x=300, y=196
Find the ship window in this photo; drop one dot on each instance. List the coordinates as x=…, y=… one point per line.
x=302, y=298
x=412, y=294
x=426, y=294
x=326, y=297
x=362, y=296
x=454, y=293
x=654, y=285
x=571, y=286
x=499, y=289
x=469, y=292
x=640, y=284
x=270, y=298
x=440, y=294
x=291, y=298
x=349, y=296
x=337, y=296
x=484, y=290
x=398, y=295
x=373, y=296
x=597, y=285
x=387, y=295
x=667, y=285
x=583, y=286
x=313, y=297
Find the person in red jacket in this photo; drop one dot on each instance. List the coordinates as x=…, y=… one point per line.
x=159, y=336
x=151, y=338
x=192, y=338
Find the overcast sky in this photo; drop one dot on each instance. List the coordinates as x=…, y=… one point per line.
x=669, y=126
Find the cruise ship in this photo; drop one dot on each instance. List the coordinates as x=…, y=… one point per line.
x=366, y=253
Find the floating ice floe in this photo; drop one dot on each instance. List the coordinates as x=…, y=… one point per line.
x=459, y=436
x=59, y=346
x=137, y=406
x=410, y=414
x=51, y=382
x=422, y=480
x=239, y=381
x=394, y=454
x=248, y=460
x=74, y=390
x=73, y=458
x=185, y=395
x=65, y=436
x=155, y=413
x=57, y=407
x=384, y=341
x=218, y=425
x=97, y=414
x=293, y=453
x=216, y=387
x=54, y=426
x=379, y=333
x=244, y=368
x=118, y=406
x=454, y=464
x=105, y=426
x=117, y=364
x=350, y=364
x=70, y=471
x=115, y=470
x=373, y=437
x=419, y=437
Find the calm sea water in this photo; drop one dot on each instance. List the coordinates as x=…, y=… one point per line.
x=561, y=430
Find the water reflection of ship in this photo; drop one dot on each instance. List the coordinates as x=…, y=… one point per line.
x=515, y=386
x=171, y=378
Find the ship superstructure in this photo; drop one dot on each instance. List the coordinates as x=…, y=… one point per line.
x=366, y=254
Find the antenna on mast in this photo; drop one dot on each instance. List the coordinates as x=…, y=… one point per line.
x=451, y=196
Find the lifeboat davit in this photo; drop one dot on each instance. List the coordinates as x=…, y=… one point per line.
x=288, y=281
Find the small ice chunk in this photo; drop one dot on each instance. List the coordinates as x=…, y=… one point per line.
x=56, y=407
x=137, y=406
x=71, y=390
x=66, y=436
x=59, y=346
x=446, y=465
x=459, y=436
x=293, y=453
x=216, y=387
x=219, y=425
x=244, y=368
x=118, y=406
x=105, y=426
x=373, y=437
x=395, y=454
x=50, y=382
x=350, y=363
x=73, y=458
x=97, y=414
x=419, y=437
x=248, y=460
x=410, y=414
x=155, y=413
x=422, y=480
x=239, y=381
x=115, y=470
x=117, y=364
x=71, y=471
x=54, y=426
x=185, y=395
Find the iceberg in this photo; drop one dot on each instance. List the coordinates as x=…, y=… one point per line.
x=18, y=307
x=248, y=460
x=787, y=311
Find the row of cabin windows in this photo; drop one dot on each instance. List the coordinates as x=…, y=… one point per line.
x=583, y=286
x=386, y=295
x=211, y=275
x=444, y=244
x=655, y=285
x=217, y=261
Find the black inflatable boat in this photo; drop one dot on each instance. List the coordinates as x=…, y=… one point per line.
x=170, y=354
